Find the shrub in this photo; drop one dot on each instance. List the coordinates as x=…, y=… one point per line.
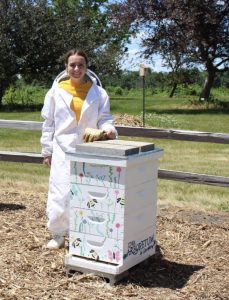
x=110, y=89
x=193, y=92
x=118, y=91
x=25, y=96
x=154, y=91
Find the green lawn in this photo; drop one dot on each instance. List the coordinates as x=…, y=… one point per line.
x=205, y=158
x=23, y=116
x=164, y=112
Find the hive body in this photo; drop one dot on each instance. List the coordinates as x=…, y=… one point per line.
x=113, y=202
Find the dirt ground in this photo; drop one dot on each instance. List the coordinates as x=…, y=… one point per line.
x=191, y=262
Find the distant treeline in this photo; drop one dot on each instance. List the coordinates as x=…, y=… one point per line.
x=164, y=80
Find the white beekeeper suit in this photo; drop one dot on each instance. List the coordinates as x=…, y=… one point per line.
x=61, y=133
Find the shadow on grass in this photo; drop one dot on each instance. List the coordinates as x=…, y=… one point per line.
x=189, y=111
x=160, y=272
x=9, y=206
x=21, y=108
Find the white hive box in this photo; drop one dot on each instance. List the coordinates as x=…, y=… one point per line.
x=112, y=205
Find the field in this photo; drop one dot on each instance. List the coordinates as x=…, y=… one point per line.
x=192, y=222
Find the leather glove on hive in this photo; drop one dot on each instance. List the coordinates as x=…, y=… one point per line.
x=92, y=134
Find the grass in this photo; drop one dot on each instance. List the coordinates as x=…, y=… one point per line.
x=20, y=140
x=195, y=196
x=177, y=113
x=33, y=174
x=206, y=158
x=161, y=111
x=23, y=116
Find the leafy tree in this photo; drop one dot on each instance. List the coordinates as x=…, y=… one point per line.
x=158, y=80
x=182, y=76
x=86, y=24
x=8, y=65
x=197, y=30
x=224, y=79
x=129, y=80
x=34, y=35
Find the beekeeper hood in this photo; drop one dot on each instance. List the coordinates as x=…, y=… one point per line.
x=64, y=76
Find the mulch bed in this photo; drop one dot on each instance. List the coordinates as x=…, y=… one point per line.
x=127, y=120
x=191, y=262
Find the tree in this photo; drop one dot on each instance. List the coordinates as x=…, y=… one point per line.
x=7, y=69
x=184, y=77
x=34, y=35
x=89, y=27
x=197, y=30
x=224, y=79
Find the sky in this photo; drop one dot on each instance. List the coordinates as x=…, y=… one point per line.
x=134, y=60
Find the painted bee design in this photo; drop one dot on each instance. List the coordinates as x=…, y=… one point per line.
x=121, y=201
x=76, y=243
x=94, y=254
x=91, y=203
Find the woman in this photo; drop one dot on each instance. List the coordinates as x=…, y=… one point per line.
x=71, y=105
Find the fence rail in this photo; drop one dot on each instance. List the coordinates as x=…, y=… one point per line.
x=183, y=135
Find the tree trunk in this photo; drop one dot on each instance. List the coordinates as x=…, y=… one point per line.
x=208, y=83
x=173, y=90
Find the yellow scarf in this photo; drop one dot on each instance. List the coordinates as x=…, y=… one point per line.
x=79, y=93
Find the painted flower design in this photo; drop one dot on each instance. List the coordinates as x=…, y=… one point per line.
x=116, y=193
x=81, y=176
x=117, y=225
x=118, y=169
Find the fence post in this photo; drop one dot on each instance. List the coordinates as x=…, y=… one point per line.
x=142, y=74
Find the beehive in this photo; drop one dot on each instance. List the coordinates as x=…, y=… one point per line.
x=112, y=205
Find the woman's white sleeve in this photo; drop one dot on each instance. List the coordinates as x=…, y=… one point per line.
x=48, y=127
x=105, y=120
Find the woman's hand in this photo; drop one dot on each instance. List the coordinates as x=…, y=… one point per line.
x=111, y=134
x=47, y=161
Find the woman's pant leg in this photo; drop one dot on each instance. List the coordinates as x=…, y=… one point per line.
x=58, y=195
x=58, y=208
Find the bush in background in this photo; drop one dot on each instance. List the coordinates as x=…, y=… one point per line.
x=118, y=91
x=24, y=96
